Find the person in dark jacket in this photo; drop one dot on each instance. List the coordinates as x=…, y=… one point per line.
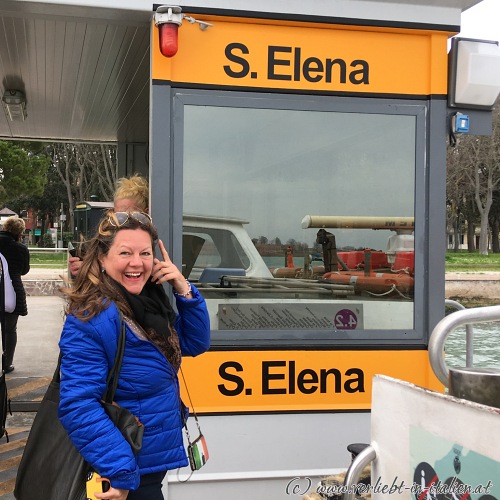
x=119, y=275
x=18, y=260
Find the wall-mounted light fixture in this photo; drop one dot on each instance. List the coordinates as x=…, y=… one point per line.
x=168, y=18
x=14, y=105
x=474, y=73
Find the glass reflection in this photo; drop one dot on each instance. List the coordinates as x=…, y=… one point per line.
x=257, y=174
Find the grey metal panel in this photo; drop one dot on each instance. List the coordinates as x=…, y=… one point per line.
x=436, y=251
x=320, y=7
x=480, y=121
x=160, y=169
x=421, y=220
x=417, y=335
x=296, y=443
x=432, y=12
x=132, y=158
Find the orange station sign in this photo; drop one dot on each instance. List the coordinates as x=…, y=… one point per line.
x=267, y=381
x=249, y=54
x=308, y=57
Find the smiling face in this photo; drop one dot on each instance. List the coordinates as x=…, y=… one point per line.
x=130, y=259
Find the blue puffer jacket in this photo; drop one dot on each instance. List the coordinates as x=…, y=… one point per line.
x=147, y=386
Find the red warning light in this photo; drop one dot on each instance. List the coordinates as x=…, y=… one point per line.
x=169, y=39
x=168, y=18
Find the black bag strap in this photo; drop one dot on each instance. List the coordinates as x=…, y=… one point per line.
x=192, y=407
x=112, y=379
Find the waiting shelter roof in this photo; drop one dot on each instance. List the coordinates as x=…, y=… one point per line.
x=84, y=65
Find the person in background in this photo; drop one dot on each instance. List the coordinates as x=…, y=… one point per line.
x=18, y=260
x=132, y=193
x=120, y=276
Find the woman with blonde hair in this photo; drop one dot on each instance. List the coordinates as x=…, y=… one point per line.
x=132, y=193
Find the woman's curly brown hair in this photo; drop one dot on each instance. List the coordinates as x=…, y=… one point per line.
x=92, y=290
x=14, y=225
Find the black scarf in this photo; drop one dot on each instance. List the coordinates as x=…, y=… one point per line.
x=151, y=308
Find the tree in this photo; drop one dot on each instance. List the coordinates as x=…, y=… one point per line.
x=458, y=190
x=23, y=168
x=45, y=207
x=494, y=221
x=486, y=179
x=85, y=170
x=476, y=161
x=487, y=175
x=494, y=216
x=41, y=177
x=471, y=216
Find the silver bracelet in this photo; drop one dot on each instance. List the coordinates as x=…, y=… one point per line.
x=189, y=290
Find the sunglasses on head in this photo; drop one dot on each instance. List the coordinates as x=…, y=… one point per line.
x=118, y=219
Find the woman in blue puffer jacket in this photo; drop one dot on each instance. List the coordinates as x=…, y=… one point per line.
x=120, y=277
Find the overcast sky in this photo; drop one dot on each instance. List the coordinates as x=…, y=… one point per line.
x=482, y=21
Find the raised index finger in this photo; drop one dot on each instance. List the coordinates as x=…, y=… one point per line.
x=163, y=251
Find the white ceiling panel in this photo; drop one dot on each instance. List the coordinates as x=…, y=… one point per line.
x=84, y=79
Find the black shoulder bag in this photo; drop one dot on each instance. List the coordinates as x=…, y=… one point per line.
x=51, y=467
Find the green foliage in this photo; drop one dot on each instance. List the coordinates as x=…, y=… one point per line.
x=23, y=168
x=47, y=259
x=47, y=241
x=464, y=261
x=67, y=237
x=49, y=202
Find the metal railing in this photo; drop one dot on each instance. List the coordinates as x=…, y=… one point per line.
x=469, y=334
x=353, y=474
x=446, y=326
x=61, y=264
x=437, y=341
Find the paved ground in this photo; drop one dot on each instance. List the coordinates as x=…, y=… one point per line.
x=476, y=276
x=35, y=361
x=42, y=273
x=473, y=289
x=38, y=334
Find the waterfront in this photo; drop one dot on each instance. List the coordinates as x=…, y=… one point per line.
x=464, y=287
x=471, y=289
x=486, y=346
